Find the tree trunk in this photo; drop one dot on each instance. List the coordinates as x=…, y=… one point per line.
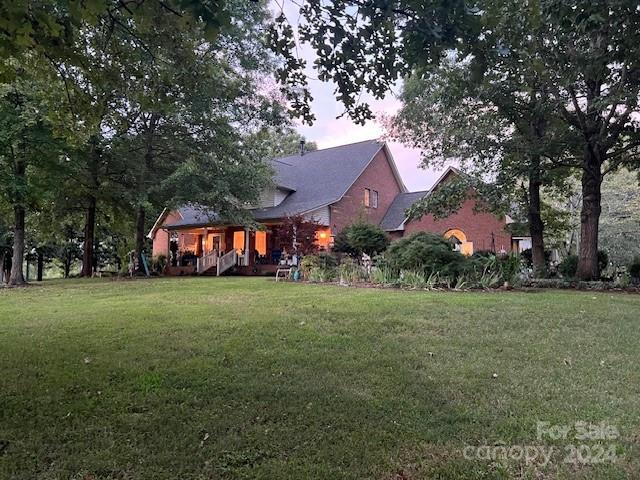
x=536, y=227
x=93, y=166
x=2, y=267
x=590, y=218
x=40, y=266
x=16, y=277
x=140, y=219
x=67, y=267
x=89, y=234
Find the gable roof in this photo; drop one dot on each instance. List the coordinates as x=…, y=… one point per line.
x=190, y=216
x=316, y=179
x=396, y=217
x=321, y=177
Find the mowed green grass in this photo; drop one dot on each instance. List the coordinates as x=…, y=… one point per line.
x=206, y=378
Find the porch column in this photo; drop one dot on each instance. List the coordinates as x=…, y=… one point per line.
x=246, y=246
x=222, y=243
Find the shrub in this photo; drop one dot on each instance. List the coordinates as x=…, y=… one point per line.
x=361, y=237
x=413, y=279
x=321, y=275
x=419, y=280
x=427, y=253
x=603, y=261
x=383, y=274
x=488, y=270
x=351, y=272
x=319, y=268
x=527, y=258
x=158, y=263
x=634, y=268
x=323, y=260
x=569, y=266
x=510, y=267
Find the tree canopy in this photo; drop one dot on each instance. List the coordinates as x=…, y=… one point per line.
x=558, y=78
x=144, y=105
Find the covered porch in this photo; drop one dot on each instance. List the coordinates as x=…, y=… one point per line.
x=255, y=252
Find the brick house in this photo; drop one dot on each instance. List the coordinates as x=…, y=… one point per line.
x=335, y=187
x=469, y=229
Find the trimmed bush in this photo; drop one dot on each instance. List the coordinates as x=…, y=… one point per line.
x=568, y=266
x=427, y=253
x=359, y=238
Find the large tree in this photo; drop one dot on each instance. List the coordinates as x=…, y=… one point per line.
x=188, y=114
x=158, y=100
x=586, y=54
x=29, y=158
x=497, y=125
x=281, y=141
x=593, y=73
x=50, y=27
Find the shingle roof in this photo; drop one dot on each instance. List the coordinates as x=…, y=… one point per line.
x=319, y=177
x=315, y=179
x=194, y=216
x=395, y=215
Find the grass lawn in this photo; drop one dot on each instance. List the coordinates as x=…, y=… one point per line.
x=205, y=378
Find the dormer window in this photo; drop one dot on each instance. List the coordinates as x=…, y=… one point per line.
x=370, y=198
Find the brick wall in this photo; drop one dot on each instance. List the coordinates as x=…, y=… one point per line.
x=479, y=227
x=161, y=237
x=377, y=176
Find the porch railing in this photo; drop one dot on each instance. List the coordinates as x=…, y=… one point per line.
x=207, y=261
x=226, y=261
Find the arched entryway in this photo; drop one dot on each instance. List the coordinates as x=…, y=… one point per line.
x=459, y=241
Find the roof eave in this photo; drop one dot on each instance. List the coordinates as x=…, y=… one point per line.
x=157, y=223
x=394, y=168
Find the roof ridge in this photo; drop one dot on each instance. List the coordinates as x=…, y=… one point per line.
x=309, y=152
x=280, y=161
x=417, y=191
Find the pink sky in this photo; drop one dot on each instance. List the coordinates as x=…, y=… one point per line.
x=329, y=131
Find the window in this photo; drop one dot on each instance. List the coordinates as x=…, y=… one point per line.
x=261, y=242
x=238, y=241
x=458, y=241
x=323, y=238
x=370, y=198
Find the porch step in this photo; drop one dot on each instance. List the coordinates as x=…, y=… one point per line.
x=211, y=272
